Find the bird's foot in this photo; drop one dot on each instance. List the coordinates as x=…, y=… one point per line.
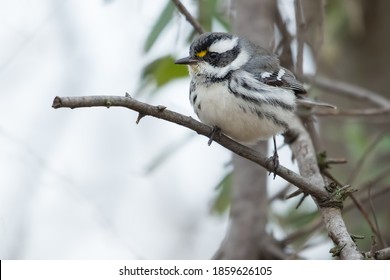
x=274, y=161
x=216, y=132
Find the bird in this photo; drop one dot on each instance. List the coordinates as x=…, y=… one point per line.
x=240, y=89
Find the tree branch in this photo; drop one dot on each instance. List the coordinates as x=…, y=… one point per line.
x=305, y=154
x=367, y=112
x=183, y=10
x=348, y=90
x=161, y=112
x=383, y=254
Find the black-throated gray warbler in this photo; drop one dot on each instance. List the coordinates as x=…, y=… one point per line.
x=240, y=88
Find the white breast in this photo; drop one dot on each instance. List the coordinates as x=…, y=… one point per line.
x=240, y=119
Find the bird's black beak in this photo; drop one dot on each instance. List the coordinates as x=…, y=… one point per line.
x=186, y=60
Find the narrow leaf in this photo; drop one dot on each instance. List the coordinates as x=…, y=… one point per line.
x=160, y=24
x=224, y=188
x=163, y=70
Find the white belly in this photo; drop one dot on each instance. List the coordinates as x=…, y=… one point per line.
x=241, y=120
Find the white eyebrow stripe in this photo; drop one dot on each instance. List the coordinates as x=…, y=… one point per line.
x=224, y=45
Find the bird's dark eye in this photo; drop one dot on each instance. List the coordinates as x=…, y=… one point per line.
x=213, y=55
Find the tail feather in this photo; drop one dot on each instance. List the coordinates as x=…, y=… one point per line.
x=306, y=102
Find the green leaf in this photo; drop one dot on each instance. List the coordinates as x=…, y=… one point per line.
x=163, y=70
x=222, y=201
x=357, y=140
x=297, y=219
x=160, y=24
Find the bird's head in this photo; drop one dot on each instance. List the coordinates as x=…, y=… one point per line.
x=215, y=54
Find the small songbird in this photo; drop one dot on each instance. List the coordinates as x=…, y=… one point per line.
x=239, y=88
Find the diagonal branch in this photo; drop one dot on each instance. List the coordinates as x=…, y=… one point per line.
x=183, y=10
x=309, y=21
x=331, y=217
x=160, y=112
x=349, y=90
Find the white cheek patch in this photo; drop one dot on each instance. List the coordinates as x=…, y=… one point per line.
x=224, y=45
x=240, y=60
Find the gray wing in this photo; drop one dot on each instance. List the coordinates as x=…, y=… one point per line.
x=266, y=69
x=281, y=77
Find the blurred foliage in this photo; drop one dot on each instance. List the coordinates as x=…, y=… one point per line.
x=295, y=219
x=356, y=50
x=343, y=21
x=222, y=201
x=162, y=71
x=210, y=10
x=162, y=22
x=356, y=134
x=336, y=19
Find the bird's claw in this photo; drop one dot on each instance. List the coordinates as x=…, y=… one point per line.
x=215, y=132
x=274, y=160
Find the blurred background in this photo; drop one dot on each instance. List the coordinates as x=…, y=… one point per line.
x=91, y=184
x=86, y=183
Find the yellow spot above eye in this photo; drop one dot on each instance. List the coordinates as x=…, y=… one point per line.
x=201, y=54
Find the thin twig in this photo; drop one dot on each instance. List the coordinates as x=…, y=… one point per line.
x=318, y=224
x=356, y=202
x=378, y=191
x=308, y=229
x=378, y=232
x=285, y=43
x=368, y=112
x=336, y=161
x=183, y=10
x=384, y=174
x=301, y=233
x=279, y=195
x=300, y=24
x=361, y=209
x=363, y=158
x=348, y=90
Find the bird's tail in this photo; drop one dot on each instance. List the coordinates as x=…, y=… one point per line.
x=306, y=102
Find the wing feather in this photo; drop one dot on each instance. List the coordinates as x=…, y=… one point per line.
x=282, y=77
